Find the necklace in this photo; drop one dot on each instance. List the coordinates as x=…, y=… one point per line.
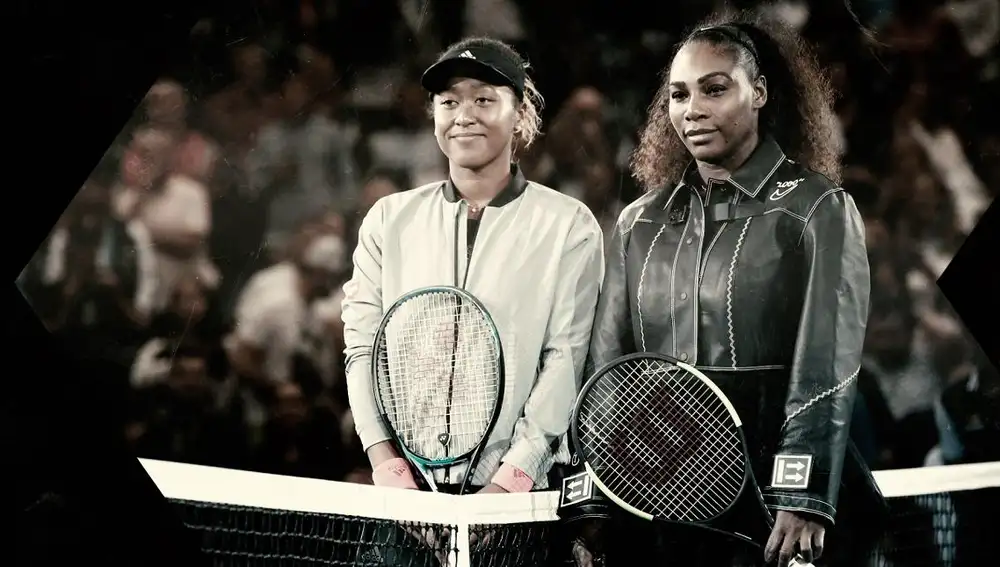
x=475, y=210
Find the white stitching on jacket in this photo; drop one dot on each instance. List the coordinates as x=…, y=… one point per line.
x=817, y=202
x=801, y=509
x=787, y=212
x=843, y=384
x=812, y=210
x=760, y=186
x=729, y=291
x=638, y=214
x=638, y=293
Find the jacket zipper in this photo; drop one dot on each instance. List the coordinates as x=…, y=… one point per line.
x=702, y=252
x=695, y=293
x=468, y=258
x=465, y=277
x=708, y=251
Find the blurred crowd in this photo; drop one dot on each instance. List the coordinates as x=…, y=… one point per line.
x=206, y=252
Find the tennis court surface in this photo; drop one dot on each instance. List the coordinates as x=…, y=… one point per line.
x=938, y=519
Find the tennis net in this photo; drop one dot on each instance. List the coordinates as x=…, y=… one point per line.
x=937, y=519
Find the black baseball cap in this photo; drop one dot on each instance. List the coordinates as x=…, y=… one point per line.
x=487, y=60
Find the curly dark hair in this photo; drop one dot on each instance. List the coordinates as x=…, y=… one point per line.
x=795, y=80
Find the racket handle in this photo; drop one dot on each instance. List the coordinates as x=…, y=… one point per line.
x=797, y=561
x=428, y=478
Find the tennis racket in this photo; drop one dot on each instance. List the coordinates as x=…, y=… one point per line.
x=438, y=372
x=664, y=443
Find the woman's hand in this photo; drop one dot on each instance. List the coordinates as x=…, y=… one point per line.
x=582, y=556
x=587, y=547
x=389, y=469
x=477, y=540
x=791, y=528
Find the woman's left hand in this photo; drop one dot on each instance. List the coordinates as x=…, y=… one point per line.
x=791, y=528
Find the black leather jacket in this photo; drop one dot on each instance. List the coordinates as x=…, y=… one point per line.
x=765, y=288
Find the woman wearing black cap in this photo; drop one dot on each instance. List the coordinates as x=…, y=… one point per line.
x=532, y=255
x=747, y=260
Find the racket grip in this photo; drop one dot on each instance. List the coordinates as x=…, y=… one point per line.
x=394, y=473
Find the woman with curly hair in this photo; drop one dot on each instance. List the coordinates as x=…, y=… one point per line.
x=746, y=259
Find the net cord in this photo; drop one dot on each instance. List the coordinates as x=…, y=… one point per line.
x=179, y=481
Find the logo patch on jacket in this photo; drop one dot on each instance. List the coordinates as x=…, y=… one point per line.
x=576, y=489
x=785, y=187
x=791, y=472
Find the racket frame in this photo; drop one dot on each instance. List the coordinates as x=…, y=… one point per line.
x=749, y=479
x=426, y=466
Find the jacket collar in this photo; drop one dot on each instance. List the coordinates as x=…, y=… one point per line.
x=751, y=177
x=513, y=190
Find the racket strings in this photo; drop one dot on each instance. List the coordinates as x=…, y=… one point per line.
x=663, y=441
x=707, y=404
x=683, y=489
x=438, y=374
x=681, y=470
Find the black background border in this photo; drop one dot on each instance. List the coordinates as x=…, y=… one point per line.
x=79, y=492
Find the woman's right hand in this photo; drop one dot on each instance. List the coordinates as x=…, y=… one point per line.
x=388, y=468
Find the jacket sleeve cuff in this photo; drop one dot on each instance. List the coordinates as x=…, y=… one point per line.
x=512, y=479
x=799, y=502
x=394, y=473
x=530, y=458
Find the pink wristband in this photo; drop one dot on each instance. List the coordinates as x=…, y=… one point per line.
x=394, y=473
x=512, y=479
